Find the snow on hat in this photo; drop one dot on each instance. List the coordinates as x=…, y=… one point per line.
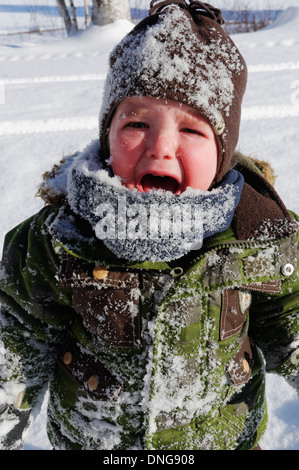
x=180, y=52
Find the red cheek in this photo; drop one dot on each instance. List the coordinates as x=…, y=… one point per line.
x=132, y=145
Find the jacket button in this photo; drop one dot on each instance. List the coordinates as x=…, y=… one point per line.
x=93, y=383
x=245, y=365
x=287, y=269
x=245, y=301
x=99, y=273
x=67, y=358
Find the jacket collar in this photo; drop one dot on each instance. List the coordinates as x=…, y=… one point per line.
x=261, y=214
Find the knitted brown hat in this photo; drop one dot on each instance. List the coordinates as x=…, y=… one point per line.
x=180, y=52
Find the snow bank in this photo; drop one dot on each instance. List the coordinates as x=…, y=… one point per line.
x=287, y=21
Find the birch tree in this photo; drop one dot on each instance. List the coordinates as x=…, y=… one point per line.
x=108, y=11
x=70, y=23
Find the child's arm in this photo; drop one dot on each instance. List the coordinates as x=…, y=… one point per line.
x=33, y=317
x=275, y=327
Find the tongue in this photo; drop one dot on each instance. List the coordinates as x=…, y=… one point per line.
x=159, y=182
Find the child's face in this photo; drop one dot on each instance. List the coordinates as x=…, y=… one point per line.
x=162, y=144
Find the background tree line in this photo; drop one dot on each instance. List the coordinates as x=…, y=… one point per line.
x=103, y=12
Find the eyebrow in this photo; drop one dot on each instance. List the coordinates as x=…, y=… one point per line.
x=141, y=111
x=196, y=114
x=137, y=112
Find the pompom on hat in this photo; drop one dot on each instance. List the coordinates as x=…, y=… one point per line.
x=180, y=52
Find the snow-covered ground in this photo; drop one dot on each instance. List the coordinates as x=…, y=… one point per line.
x=50, y=94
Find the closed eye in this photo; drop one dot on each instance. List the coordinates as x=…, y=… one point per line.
x=137, y=125
x=191, y=131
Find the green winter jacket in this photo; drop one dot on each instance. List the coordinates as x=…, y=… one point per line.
x=164, y=356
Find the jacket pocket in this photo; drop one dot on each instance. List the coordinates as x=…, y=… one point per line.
x=89, y=376
x=235, y=305
x=107, y=300
x=111, y=315
x=234, y=308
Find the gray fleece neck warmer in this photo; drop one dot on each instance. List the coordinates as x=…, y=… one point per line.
x=153, y=226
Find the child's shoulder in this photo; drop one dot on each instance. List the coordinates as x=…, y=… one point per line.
x=261, y=167
x=20, y=234
x=53, y=188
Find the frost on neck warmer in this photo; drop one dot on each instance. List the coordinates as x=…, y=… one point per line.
x=154, y=226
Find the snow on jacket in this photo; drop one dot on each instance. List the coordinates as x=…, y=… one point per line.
x=148, y=355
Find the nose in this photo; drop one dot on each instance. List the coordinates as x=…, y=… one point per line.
x=161, y=145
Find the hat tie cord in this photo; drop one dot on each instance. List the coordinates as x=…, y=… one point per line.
x=195, y=8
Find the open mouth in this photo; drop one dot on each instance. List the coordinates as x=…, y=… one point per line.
x=167, y=183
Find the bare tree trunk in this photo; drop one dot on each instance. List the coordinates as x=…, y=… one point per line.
x=108, y=11
x=86, y=13
x=73, y=19
x=69, y=26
